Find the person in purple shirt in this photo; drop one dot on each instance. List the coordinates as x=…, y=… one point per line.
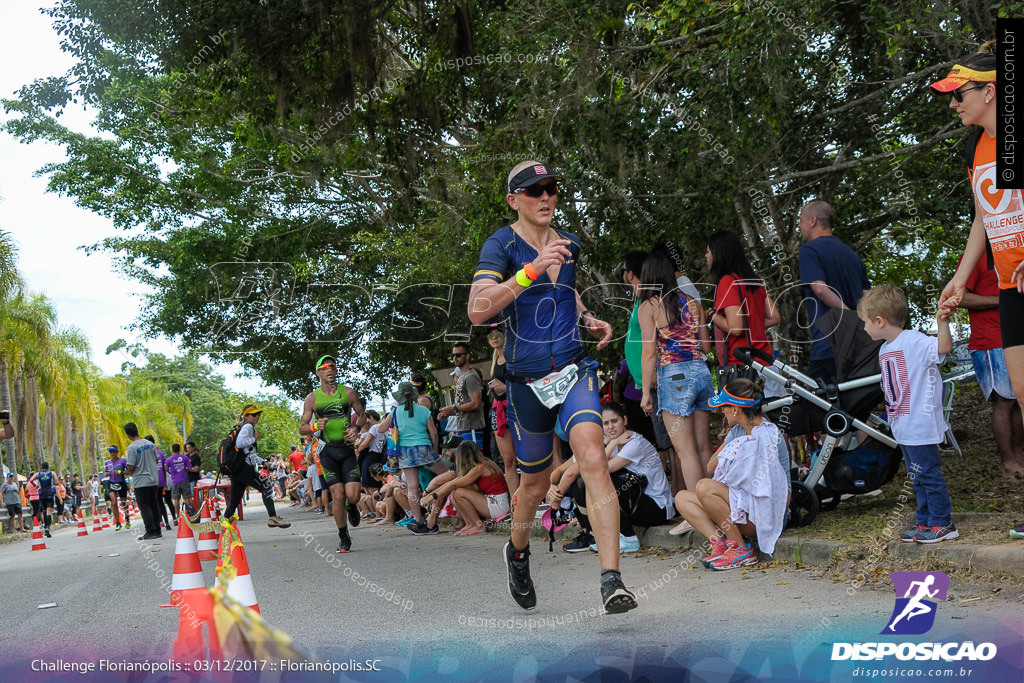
x=114, y=467
x=177, y=468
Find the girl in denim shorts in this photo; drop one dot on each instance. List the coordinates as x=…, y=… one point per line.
x=675, y=339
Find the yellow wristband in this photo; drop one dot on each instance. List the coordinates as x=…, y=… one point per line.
x=522, y=279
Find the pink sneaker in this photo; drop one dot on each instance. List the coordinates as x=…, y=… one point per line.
x=735, y=557
x=718, y=548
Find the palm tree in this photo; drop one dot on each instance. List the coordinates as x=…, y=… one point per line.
x=11, y=285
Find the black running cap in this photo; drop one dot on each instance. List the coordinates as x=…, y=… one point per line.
x=531, y=175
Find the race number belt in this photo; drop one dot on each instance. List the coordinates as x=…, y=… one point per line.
x=552, y=389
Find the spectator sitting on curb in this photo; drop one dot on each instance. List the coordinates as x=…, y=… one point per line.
x=748, y=493
x=478, y=490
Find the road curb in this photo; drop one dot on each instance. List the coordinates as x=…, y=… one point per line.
x=1006, y=558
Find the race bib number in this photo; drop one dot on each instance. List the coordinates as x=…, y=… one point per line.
x=552, y=389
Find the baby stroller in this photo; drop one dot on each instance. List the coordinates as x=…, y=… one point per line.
x=858, y=454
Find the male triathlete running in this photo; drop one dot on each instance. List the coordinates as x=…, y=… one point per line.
x=114, y=467
x=333, y=405
x=527, y=276
x=44, y=479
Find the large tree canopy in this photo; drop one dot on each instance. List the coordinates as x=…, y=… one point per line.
x=296, y=178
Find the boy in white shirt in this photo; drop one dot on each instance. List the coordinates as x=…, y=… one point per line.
x=913, y=399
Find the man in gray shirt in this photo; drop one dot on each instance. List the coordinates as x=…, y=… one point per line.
x=12, y=500
x=469, y=402
x=142, y=465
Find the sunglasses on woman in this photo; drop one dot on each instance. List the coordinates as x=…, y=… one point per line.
x=958, y=95
x=536, y=190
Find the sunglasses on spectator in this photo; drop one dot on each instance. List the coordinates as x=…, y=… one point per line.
x=538, y=189
x=493, y=335
x=459, y=355
x=958, y=95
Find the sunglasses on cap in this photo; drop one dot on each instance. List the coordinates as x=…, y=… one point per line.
x=959, y=93
x=538, y=189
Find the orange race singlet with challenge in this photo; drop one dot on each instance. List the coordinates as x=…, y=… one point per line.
x=1002, y=212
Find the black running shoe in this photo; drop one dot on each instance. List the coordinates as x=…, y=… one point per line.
x=520, y=585
x=353, y=515
x=579, y=544
x=345, y=545
x=615, y=596
x=423, y=529
x=47, y=532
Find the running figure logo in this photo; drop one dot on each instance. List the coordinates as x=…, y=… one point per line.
x=914, y=612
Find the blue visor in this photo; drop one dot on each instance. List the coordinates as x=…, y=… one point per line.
x=724, y=398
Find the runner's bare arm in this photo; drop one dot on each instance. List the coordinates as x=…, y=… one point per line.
x=307, y=414
x=953, y=293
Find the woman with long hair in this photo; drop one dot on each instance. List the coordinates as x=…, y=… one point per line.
x=675, y=338
x=479, y=490
x=998, y=211
x=743, y=310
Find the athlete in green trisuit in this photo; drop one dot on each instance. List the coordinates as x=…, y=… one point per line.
x=333, y=405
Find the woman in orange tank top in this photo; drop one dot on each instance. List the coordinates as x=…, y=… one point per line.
x=998, y=210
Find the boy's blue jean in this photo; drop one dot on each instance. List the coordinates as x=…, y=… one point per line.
x=934, y=508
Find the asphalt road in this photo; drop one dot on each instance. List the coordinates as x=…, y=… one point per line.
x=436, y=608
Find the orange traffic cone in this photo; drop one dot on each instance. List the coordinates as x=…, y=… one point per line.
x=189, y=593
x=106, y=521
x=240, y=588
x=37, y=535
x=97, y=525
x=208, y=540
x=82, y=531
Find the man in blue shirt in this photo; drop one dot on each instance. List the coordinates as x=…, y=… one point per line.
x=527, y=277
x=833, y=277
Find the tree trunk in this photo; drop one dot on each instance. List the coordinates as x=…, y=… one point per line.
x=5, y=404
x=77, y=446
x=90, y=457
x=35, y=428
x=55, y=440
x=20, y=438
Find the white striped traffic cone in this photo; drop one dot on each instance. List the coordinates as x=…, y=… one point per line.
x=82, y=531
x=240, y=588
x=106, y=520
x=208, y=540
x=37, y=535
x=189, y=592
x=97, y=524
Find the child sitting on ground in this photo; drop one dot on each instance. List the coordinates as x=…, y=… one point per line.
x=912, y=385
